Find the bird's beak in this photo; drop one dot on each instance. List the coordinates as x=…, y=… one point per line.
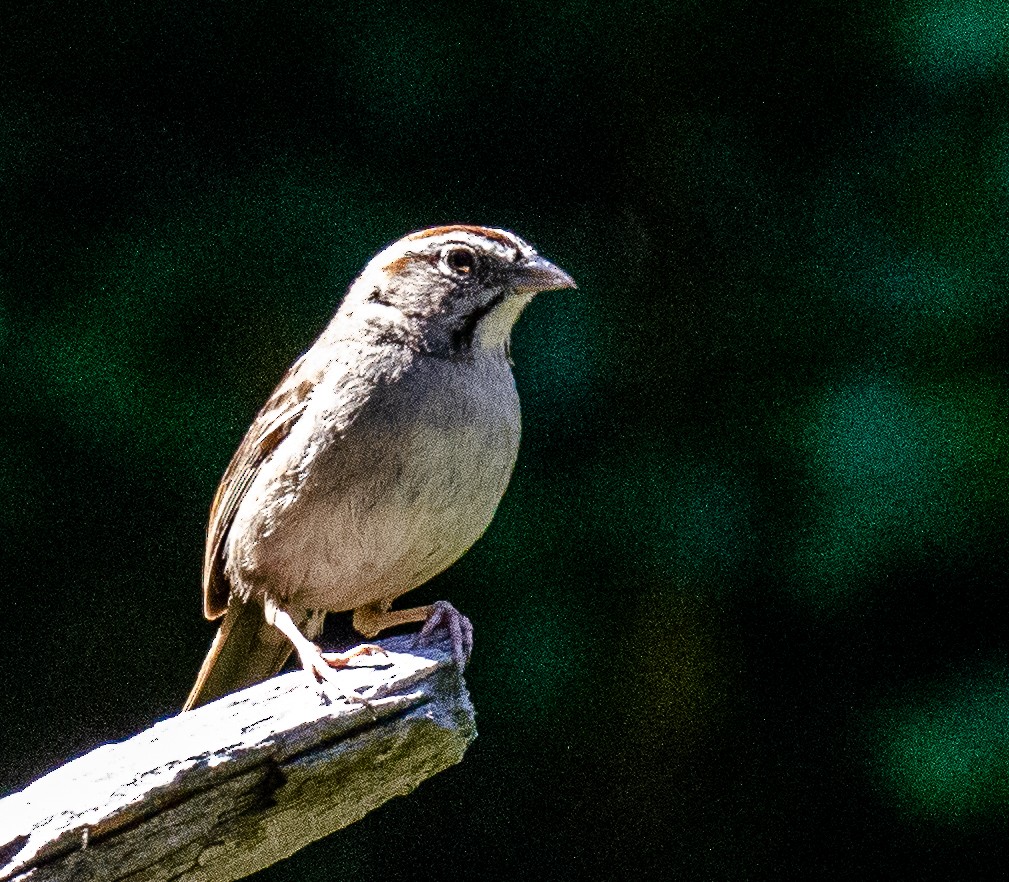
x=535, y=273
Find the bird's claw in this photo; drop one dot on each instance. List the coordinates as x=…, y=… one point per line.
x=460, y=630
x=342, y=659
x=321, y=666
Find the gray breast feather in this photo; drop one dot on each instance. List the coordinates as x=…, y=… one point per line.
x=412, y=483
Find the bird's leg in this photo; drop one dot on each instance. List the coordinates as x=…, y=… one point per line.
x=318, y=663
x=369, y=620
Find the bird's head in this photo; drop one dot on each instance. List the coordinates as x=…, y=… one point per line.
x=459, y=287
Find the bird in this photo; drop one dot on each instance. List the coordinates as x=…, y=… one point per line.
x=376, y=463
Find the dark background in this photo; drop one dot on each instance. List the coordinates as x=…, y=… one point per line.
x=743, y=612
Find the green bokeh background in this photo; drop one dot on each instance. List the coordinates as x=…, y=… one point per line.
x=743, y=611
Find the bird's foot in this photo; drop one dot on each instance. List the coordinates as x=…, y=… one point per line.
x=460, y=630
x=321, y=666
x=342, y=659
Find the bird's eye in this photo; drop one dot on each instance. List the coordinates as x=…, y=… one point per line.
x=461, y=260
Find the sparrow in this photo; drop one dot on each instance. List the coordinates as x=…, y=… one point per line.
x=376, y=463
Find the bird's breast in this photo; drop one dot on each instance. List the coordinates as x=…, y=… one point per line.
x=393, y=498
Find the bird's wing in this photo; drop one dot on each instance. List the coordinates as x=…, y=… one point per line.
x=272, y=425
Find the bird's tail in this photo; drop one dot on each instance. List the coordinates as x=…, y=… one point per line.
x=245, y=650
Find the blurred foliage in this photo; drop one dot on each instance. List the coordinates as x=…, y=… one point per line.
x=944, y=754
x=897, y=470
x=743, y=611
